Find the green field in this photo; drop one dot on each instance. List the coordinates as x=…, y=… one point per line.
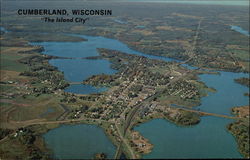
x=10, y=62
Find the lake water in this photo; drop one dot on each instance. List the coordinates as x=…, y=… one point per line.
x=240, y=30
x=208, y=139
x=120, y=21
x=79, y=141
x=77, y=70
x=228, y=94
x=2, y=29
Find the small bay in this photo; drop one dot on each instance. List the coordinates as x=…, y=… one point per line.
x=79, y=141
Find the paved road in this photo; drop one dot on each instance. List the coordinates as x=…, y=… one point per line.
x=44, y=121
x=123, y=141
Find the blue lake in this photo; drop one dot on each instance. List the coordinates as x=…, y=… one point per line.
x=78, y=142
x=228, y=94
x=77, y=70
x=120, y=21
x=240, y=30
x=2, y=29
x=209, y=139
x=88, y=48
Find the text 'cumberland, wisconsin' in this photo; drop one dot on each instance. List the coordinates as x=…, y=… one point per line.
x=87, y=12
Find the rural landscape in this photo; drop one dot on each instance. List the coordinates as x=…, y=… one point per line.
x=152, y=80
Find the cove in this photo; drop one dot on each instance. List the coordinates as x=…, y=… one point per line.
x=228, y=93
x=208, y=139
x=77, y=70
x=79, y=141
